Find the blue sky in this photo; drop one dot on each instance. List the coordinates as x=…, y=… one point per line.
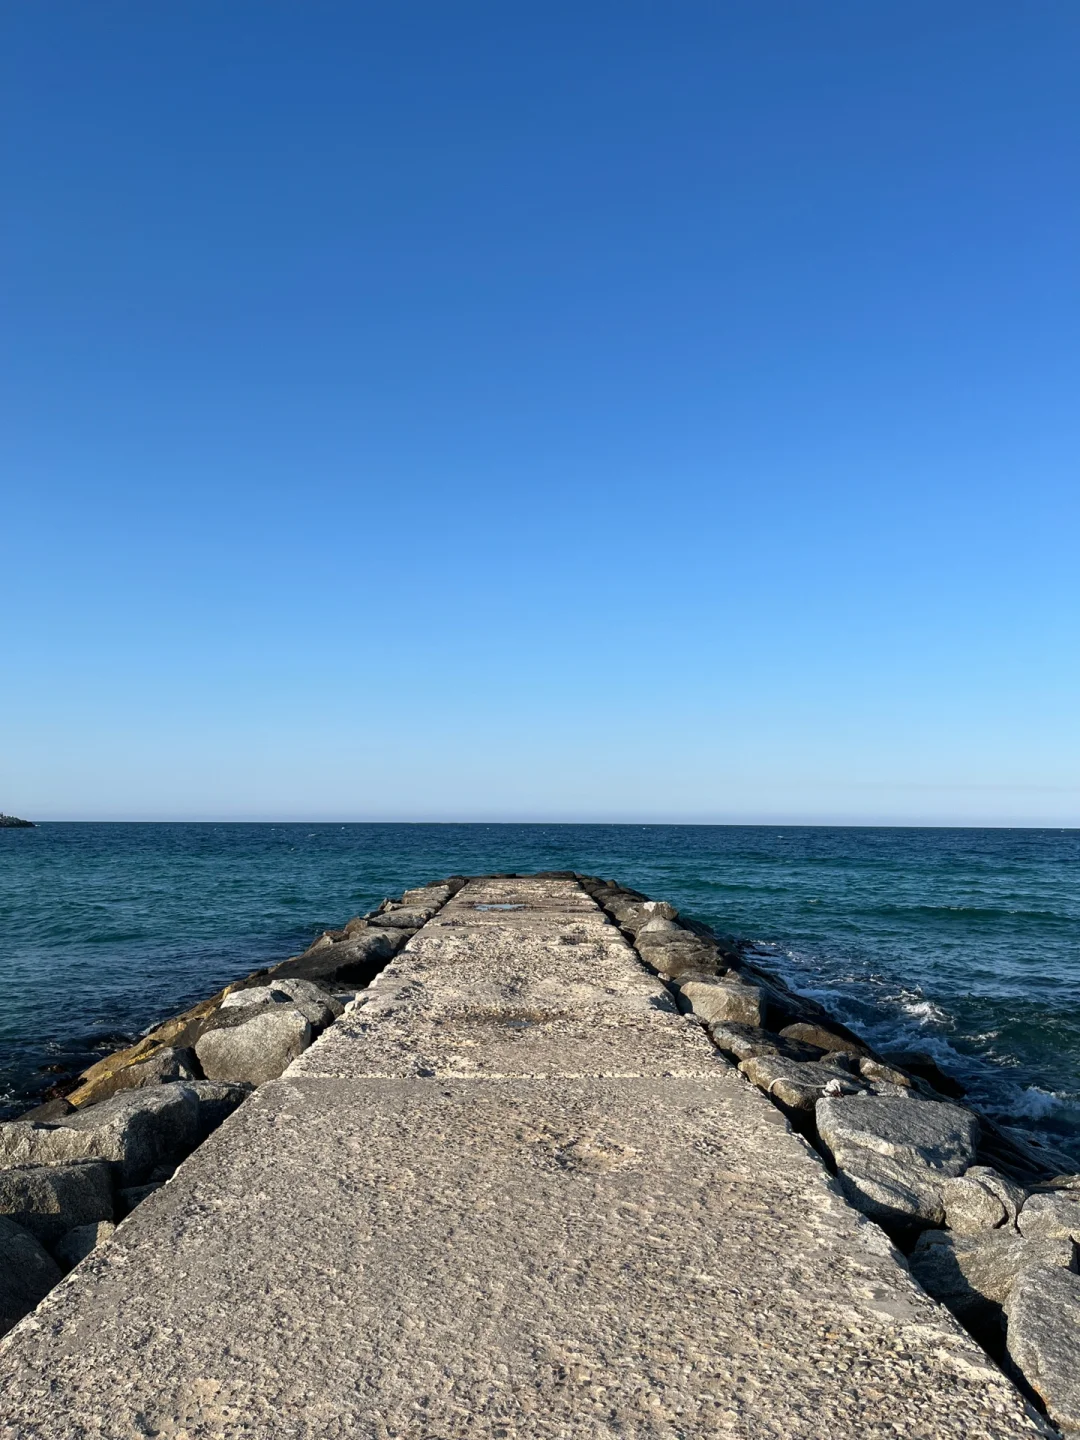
x=564, y=411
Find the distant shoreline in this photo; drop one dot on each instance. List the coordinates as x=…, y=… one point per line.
x=12, y=822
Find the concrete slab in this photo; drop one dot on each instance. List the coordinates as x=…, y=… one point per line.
x=513, y=1195
x=387, y=1042
x=432, y=1258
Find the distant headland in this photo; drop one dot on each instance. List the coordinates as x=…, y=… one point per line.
x=12, y=822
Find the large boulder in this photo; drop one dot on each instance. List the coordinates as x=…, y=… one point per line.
x=740, y=1042
x=880, y=1073
x=49, y=1199
x=169, y=1063
x=317, y=1005
x=926, y=1068
x=980, y=1199
x=27, y=1273
x=54, y=1109
x=405, y=917
x=359, y=957
x=674, y=951
x=134, y=1131
x=1052, y=1215
x=256, y=1050
x=974, y=1274
x=217, y=1100
x=1043, y=1340
x=824, y=1037
x=893, y=1155
x=78, y=1243
x=797, y=1086
x=725, y=1000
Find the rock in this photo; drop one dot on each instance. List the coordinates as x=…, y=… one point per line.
x=925, y=1067
x=132, y=1195
x=1025, y=1155
x=12, y=822
x=823, y=1037
x=1043, y=1340
x=1051, y=1216
x=159, y=1068
x=675, y=953
x=893, y=1155
x=135, y=1131
x=872, y=1069
x=428, y=898
x=403, y=917
x=78, y=1243
x=51, y=1110
x=357, y=959
x=973, y=1274
x=49, y=1199
x=979, y=1200
x=217, y=1099
x=723, y=1000
x=181, y=1031
x=27, y=1273
x=741, y=1041
x=317, y=1005
x=797, y=1086
x=256, y=1050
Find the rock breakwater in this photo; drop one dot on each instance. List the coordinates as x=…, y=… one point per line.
x=988, y=1222
x=74, y=1167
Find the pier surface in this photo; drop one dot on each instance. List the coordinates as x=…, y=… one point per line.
x=511, y=1193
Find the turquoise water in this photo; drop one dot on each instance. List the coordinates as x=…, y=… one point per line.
x=963, y=942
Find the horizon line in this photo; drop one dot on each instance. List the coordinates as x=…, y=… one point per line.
x=756, y=824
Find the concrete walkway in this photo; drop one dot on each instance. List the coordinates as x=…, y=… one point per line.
x=513, y=1193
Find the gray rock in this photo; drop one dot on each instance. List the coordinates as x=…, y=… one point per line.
x=403, y=917
x=925, y=1067
x=167, y=1064
x=980, y=1199
x=822, y=1037
x=741, y=1041
x=27, y=1273
x=974, y=1274
x=724, y=1000
x=256, y=1050
x=217, y=1099
x=49, y=1111
x=357, y=957
x=317, y=1005
x=893, y=1155
x=135, y=1131
x=1043, y=1340
x=798, y=1086
x=1051, y=1216
x=78, y=1243
x=659, y=925
x=877, y=1070
x=132, y=1195
x=49, y=1199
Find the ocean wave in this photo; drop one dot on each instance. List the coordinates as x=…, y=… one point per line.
x=921, y=1010
x=1031, y=1102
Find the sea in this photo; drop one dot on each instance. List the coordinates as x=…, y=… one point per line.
x=964, y=943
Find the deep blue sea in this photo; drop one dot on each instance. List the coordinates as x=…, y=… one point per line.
x=965, y=943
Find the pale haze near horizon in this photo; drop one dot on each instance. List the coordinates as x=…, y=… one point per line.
x=551, y=412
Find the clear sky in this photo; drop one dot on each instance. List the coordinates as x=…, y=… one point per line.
x=555, y=410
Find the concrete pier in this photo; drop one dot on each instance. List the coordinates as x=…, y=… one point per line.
x=512, y=1192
